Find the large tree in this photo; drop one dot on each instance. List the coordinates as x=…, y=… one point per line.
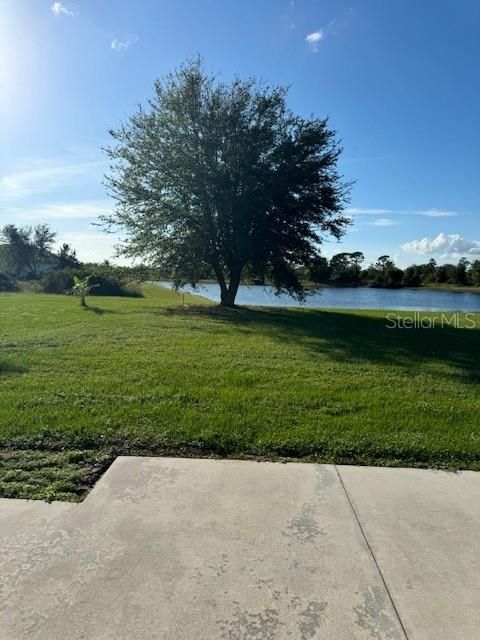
x=214, y=177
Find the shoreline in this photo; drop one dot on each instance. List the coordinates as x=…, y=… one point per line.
x=447, y=288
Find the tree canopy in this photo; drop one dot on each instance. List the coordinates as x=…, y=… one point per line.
x=26, y=248
x=215, y=177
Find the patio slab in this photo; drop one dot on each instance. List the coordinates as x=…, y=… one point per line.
x=171, y=548
x=424, y=530
x=208, y=549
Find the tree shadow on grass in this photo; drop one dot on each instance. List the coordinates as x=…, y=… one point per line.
x=360, y=337
x=8, y=368
x=98, y=311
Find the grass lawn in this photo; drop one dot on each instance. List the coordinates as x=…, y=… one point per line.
x=146, y=375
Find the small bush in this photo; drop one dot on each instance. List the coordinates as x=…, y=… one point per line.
x=107, y=286
x=104, y=282
x=6, y=283
x=29, y=286
x=57, y=281
x=111, y=280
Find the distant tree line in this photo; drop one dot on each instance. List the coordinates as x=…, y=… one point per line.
x=349, y=270
x=27, y=255
x=28, y=260
x=346, y=269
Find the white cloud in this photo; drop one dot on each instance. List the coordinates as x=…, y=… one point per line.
x=316, y=36
x=92, y=246
x=41, y=177
x=382, y=222
x=122, y=45
x=366, y=211
x=58, y=8
x=444, y=244
x=437, y=213
x=312, y=39
x=59, y=211
x=429, y=213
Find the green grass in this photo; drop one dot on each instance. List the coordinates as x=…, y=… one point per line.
x=146, y=375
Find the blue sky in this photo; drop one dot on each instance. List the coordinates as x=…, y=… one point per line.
x=399, y=81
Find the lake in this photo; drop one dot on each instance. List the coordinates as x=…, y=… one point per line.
x=350, y=298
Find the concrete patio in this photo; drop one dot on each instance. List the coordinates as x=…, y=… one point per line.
x=177, y=549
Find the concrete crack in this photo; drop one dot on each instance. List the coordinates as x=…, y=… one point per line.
x=364, y=536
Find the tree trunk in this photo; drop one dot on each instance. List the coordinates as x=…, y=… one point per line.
x=228, y=295
x=221, y=282
x=223, y=292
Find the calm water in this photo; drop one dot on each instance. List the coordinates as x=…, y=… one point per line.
x=350, y=298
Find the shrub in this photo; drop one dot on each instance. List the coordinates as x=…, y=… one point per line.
x=107, y=285
x=29, y=286
x=57, y=281
x=6, y=283
x=105, y=281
